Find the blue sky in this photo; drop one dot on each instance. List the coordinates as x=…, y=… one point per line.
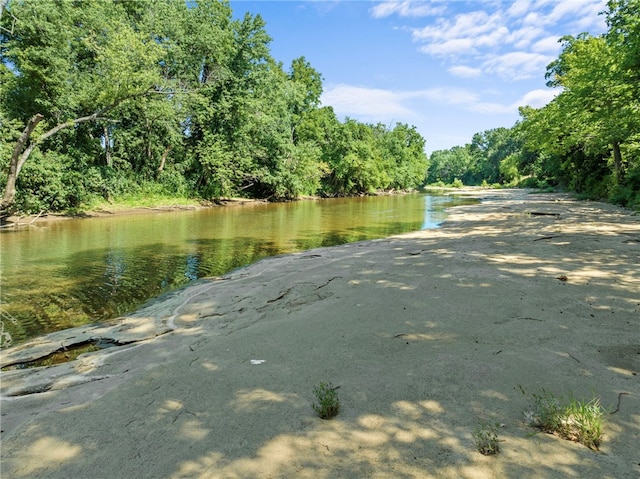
x=451, y=68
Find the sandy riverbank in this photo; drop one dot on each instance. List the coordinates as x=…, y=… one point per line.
x=427, y=334
x=19, y=221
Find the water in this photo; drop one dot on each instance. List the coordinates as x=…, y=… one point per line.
x=62, y=274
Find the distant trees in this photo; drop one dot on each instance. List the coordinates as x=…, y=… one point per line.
x=493, y=156
x=105, y=99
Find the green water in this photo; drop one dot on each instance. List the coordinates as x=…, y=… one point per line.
x=63, y=274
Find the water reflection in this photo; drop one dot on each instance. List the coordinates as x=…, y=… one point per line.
x=64, y=274
x=429, y=221
x=435, y=208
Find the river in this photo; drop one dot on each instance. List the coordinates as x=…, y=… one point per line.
x=61, y=274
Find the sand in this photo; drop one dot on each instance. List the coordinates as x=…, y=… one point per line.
x=426, y=335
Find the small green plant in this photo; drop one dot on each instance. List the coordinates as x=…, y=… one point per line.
x=544, y=412
x=486, y=438
x=575, y=420
x=583, y=422
x=328, y=404
x=457, y=183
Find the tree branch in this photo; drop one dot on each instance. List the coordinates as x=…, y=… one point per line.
x=20, y=154
x=17, y=160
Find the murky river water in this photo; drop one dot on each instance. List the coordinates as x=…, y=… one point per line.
x=57, y=275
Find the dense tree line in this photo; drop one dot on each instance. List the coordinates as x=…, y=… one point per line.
x=587, y=139
x=106, y=99
x=492, y=157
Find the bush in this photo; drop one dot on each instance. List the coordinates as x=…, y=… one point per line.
x=40, y=185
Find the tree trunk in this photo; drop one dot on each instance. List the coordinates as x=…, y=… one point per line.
x=164, y=158
x=617, y=161
x=107, y=146
x=149, y=150
x=18, y=157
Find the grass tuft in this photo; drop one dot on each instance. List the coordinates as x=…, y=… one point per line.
x=328, y=403
x=575, y=420
x=486, y=438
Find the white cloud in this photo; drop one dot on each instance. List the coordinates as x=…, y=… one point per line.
x=448, y=95
x=406, y=8
x=534, y=19
x=474, y=102
x=517, y=65
x=514, y=40
x=579, y=14
x=536, y=98
x=464, y=99
x=366, y=102
x=523, y=37
x=467, y=34
x=590, y=18
x=463, y=71
x=467, y=25
x=549, y=44
x=519, y=8
x=573, y=9
x=375, y=104
x=452, y=47
x=494, y=38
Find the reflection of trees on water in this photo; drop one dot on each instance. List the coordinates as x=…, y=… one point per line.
x=5, y=336
x=187, y=269
x=98, y=270
x=428, y=214
x=193, y=261
x=115, y=267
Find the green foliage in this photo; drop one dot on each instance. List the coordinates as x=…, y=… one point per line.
x=493, y=157
x=180, y=98
x=509, y=169
x=447, y=165
x=41, y=185
x=327, y=404
x=587, y=139
x=366, y=158
x=486, y=439
x=592, y=127
x=575, y=420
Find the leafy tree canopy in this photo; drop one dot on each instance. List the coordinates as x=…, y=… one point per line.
x=587, y=138
x=109, y=99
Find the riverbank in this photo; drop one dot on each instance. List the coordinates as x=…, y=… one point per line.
x=426, y=334
x=164, y=205
x=107, y=210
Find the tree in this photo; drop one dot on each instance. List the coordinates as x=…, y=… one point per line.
x=173, y=97
x=448, y=165
x=72, y=63
x=490, y=149
x=592, y=127
x=310, y=80
x=597, y=98
x=404, y=156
